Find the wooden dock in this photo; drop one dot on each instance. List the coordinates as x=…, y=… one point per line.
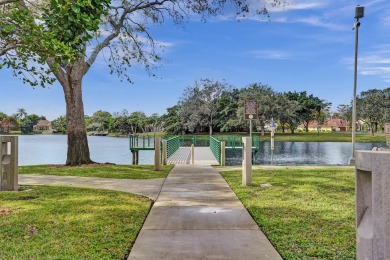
x=203, y=156
x=181, y=156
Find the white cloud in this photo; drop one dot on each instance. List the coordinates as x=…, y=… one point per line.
x=320, y=22
x=270, y=55
x=375, y=62
x=300, y=5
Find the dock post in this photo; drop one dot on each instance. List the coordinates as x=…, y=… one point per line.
x=164, y=152
x=135, y=157
x=223, y=154
x=157, y=154
x=246, y=161
x=192, y=154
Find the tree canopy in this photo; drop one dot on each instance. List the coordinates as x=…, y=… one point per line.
x=44, y=41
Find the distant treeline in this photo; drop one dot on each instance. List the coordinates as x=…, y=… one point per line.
x=210, y=106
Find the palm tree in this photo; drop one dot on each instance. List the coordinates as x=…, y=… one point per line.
x=21, y=113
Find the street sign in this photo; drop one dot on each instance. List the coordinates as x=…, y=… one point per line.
x=273, y=125
x=250, y=109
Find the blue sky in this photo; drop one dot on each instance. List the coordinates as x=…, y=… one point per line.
x=307, y=46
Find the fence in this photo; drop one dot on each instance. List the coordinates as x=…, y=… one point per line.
x=215, y=146
x=173, y=144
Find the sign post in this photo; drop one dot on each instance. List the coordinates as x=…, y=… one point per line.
x=250, y=112
x=272, y=125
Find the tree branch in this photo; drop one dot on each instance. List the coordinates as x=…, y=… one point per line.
x=117, y=27
x=7, y=49
x=58, y=72
x=3, y=2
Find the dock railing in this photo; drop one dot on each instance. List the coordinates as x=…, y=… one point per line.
x=173, y=144
x=215, y=146
x=235, y=141
x=141, y=142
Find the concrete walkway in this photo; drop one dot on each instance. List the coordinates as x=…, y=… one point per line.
x=197, y=216
x=149, y=188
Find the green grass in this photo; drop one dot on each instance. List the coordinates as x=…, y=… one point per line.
x=306, y=214
x=324, y=137
x=101, y=171
x=69, y=223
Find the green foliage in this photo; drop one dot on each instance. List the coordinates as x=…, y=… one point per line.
x=59, y=124
x=172, y=122
x=101, y=171
x=311, y=107
x=306, y=214
x=73, y=22
x=58, y=32
x=28, y=122
x=2, y=116
x=69, y=223
x=373, y=106
x=199, y=104
x=101, y=120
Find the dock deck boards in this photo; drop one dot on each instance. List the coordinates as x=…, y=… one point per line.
x=203, y=156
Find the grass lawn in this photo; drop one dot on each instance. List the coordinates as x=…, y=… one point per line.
x=69, y=223
x=324, y=137
x=304, y=137
x=306, y=214
x=102, y=171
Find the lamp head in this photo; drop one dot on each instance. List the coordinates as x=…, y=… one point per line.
x=359, y=13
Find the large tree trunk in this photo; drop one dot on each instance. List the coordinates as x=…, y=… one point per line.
x=78, y=150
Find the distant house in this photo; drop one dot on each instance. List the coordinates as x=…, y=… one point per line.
x=42, y=125
x=334, y=124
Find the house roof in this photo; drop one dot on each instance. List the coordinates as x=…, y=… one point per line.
x=43, y=123
x=334, y=122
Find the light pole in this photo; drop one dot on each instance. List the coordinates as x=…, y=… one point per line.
x=359, y=13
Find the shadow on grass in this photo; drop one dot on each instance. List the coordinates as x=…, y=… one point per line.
x=70, y=223
x=306, y=214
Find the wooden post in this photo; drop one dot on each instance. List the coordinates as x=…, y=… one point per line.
x=157, y=154
x=223, y=154
x=246, y=161
x=164, y=152
x=192, y=153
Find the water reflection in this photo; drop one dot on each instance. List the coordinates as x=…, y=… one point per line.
x=319, y=153
x=51, y=149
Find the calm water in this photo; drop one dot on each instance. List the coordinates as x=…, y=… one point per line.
x=319, y=153
x=51, y=149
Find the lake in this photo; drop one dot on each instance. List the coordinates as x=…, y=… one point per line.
x=52, y=149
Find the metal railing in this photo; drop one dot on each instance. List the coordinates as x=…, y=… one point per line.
x=215, y=146
x=173, y=144
x=141, y=142
x=235, y=141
